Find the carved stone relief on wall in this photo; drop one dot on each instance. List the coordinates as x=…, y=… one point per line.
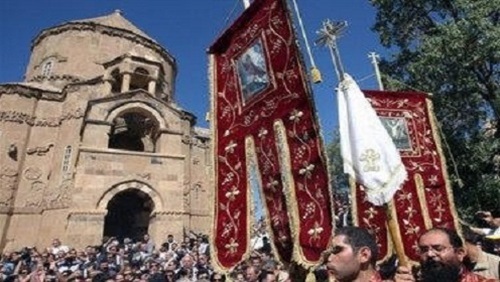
x=185, y=194
x=197, y=189
x=145, y=175
x=8, y=180
x=35, y=195
x=196, y=161
x=44, y=197
x=60, y=197
x=32, y=173
x=19, y=117
x=40, y=150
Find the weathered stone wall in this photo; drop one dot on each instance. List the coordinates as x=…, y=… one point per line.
x=62, y=175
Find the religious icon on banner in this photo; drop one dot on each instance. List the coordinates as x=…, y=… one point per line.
x=252, y=70
x=425, y=200
x=398, y=130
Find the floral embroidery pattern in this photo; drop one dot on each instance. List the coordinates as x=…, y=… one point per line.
x=427, y=187
x=288, y=162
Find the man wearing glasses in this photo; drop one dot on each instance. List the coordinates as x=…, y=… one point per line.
x=352, y=256
x=441, y=259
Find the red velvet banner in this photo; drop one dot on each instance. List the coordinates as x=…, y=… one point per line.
x=426, y=199
x=265, y=132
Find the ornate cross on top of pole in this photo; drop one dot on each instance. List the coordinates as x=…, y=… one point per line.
x=328, y=36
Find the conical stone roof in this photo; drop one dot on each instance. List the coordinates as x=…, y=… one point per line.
x=115, y=20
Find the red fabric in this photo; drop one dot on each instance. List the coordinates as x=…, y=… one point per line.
x=467, y=276
x=248, y=102
x=422, y=156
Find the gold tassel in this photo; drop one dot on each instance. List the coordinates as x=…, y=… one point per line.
x=310, y=276
x=316, y=75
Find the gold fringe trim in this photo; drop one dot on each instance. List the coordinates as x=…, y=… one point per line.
x=287, y=181
x=290, y=195
x=213, y=109
x=214, y=169
x=298, y=256
x=419, y=183
x=449, y=191
x=249, y=161
x=354, y=205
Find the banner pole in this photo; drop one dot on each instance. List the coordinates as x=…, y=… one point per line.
x=389, y=207
x=329, y=34
x=394, y=233
x=315, y=73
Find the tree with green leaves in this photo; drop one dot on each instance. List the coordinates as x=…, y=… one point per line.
x=339, y=180
x=451, y=48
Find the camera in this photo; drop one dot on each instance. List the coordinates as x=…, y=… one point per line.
x=26, y=254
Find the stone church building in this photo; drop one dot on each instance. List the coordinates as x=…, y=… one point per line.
x=93, y=144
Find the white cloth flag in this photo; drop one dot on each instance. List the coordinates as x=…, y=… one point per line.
x=368, y=151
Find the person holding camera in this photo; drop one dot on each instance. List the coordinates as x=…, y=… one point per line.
x=492, y=219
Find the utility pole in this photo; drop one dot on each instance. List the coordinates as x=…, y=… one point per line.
x=374, y=60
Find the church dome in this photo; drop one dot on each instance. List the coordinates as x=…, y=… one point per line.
x=79, y=50
x=117, y=21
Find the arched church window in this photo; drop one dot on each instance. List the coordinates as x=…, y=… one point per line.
x=116, y=85
x=134, y=132
x=66, y=163
x=140, y=79
x=47, y=68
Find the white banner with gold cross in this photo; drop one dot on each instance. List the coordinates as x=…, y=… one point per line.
x=369, y=153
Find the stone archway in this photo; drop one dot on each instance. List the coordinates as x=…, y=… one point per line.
x=128, y=214
x=129, y=206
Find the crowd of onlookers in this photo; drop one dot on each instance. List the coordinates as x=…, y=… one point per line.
x=135, y=261
x=113, y=260
x=189, y=259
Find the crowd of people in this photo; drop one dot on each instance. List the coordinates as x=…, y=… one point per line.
x=445, y=256
x=135, y=261
x=352, y=256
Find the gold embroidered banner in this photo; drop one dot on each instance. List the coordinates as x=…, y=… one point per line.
x=265, y=132
x=426, y=199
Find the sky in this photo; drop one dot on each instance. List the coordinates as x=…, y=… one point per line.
x=186, y=28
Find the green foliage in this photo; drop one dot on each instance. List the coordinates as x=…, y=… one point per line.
x=451, y=48
x=339, y=180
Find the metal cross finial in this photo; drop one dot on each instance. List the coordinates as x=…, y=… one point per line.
x=328, y=36
x=330, y=32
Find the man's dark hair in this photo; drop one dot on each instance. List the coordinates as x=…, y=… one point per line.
x=453, y=236
x=471, y=236
x=358, y=238
x=495, y=213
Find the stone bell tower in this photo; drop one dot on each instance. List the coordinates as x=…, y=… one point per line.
x=92, y=142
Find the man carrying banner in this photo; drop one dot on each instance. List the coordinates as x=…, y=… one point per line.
x=441, y=259
x=353, y=256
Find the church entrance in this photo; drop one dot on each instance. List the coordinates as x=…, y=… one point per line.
x=128, y=215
